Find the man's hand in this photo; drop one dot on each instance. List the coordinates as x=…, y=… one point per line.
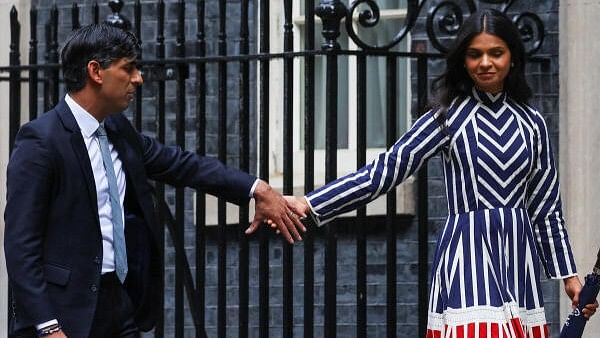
x=573, y=288
x=270, y=205
x=58, y=334
x=296, y=203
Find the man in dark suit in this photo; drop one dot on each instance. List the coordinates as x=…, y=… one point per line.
x=80, y=235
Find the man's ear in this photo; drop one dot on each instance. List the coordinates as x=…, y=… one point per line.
x=94, y=71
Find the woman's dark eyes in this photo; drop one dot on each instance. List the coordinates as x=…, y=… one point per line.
x=475, y=55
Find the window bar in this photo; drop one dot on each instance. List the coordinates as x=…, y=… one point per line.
x=137, y=16
x=392, y=104
x=222, y=142
x=52, y=57
x=15, y=75
x=309, y=160
x=288, y=167
x=244, y=261
x=179, y=192
x=161, y=134
x=422, y=206
x=361, y=238
x=33, y=73
x=263, y=265
x=201, y=150
x=95, y=13
x=75, y=16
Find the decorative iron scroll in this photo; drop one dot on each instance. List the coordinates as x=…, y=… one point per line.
x=444, y=20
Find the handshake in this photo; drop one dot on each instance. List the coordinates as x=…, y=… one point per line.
x=284, y=214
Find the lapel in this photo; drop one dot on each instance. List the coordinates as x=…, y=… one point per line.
x=80, y=151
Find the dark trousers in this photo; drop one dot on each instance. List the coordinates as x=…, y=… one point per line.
x=114, y=312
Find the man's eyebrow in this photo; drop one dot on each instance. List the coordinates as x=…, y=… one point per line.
x=134, y=63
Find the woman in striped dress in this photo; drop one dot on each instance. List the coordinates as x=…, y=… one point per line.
x=504, y=205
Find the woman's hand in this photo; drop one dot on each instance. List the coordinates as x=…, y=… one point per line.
x=297, y=204
x=573, y=288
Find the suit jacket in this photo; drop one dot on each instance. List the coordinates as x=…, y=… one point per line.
x=52, y=240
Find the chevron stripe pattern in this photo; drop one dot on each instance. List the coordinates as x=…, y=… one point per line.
x=505, y=222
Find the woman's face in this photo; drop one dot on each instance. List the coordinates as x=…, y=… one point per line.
x=488, y=61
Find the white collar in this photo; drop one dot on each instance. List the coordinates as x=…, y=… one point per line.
x=86, y=122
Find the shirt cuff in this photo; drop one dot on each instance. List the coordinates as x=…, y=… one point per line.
x=254, y=187
x=564, y=276
x=312, y=214
x=46, y=324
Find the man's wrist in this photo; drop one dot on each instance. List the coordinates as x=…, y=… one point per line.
x=48, y=330
x=253, y=188
x=260, y=189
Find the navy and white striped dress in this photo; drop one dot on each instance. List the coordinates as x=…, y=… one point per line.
x=504, y=219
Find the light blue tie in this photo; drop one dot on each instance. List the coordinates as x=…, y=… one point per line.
x=115, y=206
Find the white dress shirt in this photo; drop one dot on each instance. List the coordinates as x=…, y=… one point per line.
x=88, y=125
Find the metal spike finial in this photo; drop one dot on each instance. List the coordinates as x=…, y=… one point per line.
x=116, y=19
x=331, y=13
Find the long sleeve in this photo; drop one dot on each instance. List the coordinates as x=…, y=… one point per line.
x=545, y=208
x=177, y=167
x=388, y=169
x=180, y=168
x=29, y=183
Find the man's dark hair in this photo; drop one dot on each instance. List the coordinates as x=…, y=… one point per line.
x=100, y=42
x=456, y=82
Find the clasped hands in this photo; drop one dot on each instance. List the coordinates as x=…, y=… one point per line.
x=573, y=289
x=282, y=213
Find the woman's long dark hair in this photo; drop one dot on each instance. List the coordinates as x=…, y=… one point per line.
x=456, y=82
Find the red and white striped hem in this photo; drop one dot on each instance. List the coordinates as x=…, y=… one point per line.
x=511, y=329
x=507, y=321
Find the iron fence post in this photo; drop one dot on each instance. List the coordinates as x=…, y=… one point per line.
x=422, y=209
x=331, y=13
x=75, y=16
x=309, y=161
x=33, y=73
x=263, y=166
x=15, y=74
x=51, y=90
x=159, y=331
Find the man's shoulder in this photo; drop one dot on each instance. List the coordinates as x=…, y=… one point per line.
x=44, y=124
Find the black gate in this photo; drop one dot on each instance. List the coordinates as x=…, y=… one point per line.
x=162, y=108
